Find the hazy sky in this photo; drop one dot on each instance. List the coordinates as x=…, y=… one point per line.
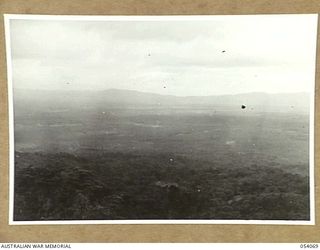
x=225, y=55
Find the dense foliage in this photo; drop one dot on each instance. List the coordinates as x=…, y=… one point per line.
x=131, y=186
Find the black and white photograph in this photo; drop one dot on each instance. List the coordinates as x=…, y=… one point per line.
x=161, y=119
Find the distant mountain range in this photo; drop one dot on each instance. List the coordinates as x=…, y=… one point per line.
x=129, y=97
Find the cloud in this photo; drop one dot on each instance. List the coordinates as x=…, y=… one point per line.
x=262, y=53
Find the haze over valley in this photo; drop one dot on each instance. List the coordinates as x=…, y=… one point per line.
x=160, y=143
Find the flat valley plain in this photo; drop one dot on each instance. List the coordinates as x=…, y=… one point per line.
x=121, y=155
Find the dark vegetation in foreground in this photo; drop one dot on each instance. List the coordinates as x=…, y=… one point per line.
x=128, y=186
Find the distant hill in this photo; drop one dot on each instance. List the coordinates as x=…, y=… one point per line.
x=66, y=98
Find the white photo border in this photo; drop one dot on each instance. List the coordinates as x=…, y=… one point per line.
x=8, y=17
